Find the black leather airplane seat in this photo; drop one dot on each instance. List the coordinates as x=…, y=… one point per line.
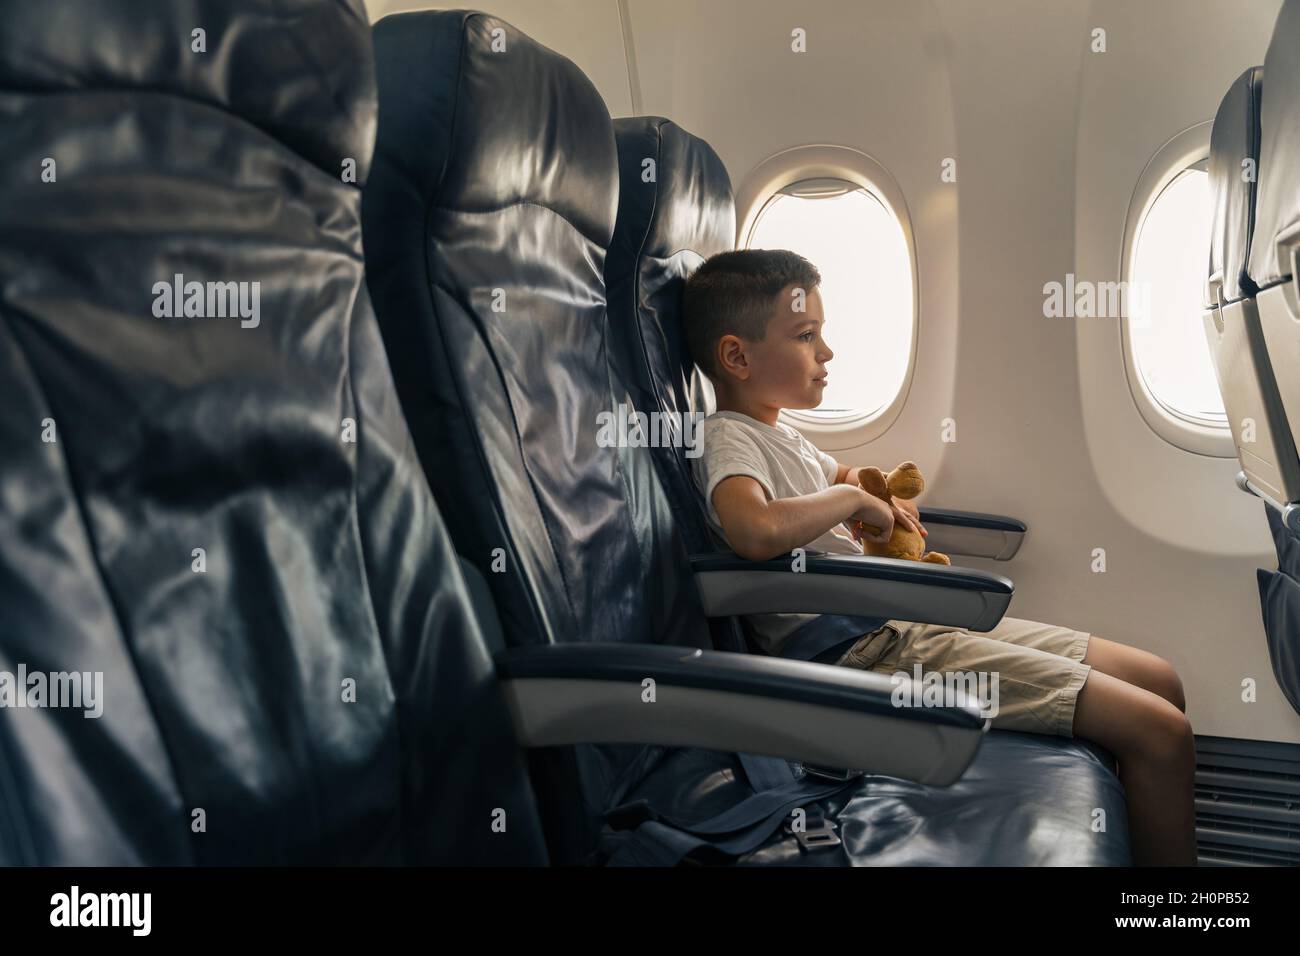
x=668, y=224
x=210, y=506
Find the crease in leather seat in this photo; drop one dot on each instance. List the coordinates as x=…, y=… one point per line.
x=1020, y=792
x=488, y=222
x=278, y=449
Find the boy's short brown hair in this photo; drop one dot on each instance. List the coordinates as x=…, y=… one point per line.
x=735, y=293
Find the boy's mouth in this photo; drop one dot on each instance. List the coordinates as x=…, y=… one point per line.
x=820, y=379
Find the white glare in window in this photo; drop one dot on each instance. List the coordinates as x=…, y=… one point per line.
x=859, y=248
x=1169, y=345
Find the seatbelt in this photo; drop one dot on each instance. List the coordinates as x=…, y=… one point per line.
x=646, y=837
x=827, y=632
x=660, y=843
x=660, y=840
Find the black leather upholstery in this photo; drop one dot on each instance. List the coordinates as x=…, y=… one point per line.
x=326, y=558
x=1234, y=140
x=1025, y=800
x=675, y=209
x=487, y=224
x=296, y=69
x=487, y=220
x=1277, y=204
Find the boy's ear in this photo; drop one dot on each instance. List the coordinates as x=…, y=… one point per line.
x=731, y=357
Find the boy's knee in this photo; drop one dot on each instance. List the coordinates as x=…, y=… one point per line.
x=1169, y=685
x=1166, y=734
x=1157, y=675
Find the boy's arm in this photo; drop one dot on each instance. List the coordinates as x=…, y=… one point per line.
x=846, y=476
x=758, y=529
x=849, y=476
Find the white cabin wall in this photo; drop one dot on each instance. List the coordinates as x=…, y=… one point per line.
x=1050, y=140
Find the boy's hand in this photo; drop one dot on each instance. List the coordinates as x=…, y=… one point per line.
x=908, y=507
x=902, y=514
x=874, y=514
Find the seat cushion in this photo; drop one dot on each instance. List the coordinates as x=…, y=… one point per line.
x=1025, y=800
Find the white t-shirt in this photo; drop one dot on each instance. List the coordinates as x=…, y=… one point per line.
x=787, y=465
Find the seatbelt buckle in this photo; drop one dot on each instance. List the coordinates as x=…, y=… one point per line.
x=629, y=816
x=833, y=774
x=818, y=831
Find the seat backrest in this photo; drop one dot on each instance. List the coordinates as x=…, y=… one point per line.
x=210, y=507
x=1231, y=322
x=487, y=220
x=675, y=209
x=1276, y=234
x=1278, y=203
x=1233, y=174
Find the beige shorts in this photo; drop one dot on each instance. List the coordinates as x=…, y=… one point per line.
x=1027, y=675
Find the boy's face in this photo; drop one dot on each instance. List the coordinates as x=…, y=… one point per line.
x=787, y=368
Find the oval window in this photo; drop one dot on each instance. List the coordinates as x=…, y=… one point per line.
x=859, y=248
x=1169, y=347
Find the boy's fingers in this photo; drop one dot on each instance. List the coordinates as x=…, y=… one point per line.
x=904, y=517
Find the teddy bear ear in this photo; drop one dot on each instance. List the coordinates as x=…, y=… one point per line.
x=873, y=480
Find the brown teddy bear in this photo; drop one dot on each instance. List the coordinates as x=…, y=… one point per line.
x=904, y=482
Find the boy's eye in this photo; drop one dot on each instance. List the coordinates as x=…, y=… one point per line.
x=806, y=337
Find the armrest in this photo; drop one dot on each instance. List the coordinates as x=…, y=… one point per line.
x=972, y=533
x=852, y=584
x=563, y=694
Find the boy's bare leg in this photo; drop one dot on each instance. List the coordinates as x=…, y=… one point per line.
x=1137, y=667
x=1152, y=741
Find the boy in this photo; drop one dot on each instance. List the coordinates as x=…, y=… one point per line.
x=753, y=322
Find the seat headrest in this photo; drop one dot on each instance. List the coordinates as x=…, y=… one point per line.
x=476, y=126
x=675, y=210
x=1235, y=140
x=1277, y=200
x=686, y=205
x=300, y=70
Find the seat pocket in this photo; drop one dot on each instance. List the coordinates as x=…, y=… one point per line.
x=1279, y=598
x=1287, y=544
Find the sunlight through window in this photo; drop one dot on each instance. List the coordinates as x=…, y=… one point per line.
x=859, y=248
x=1168, y=340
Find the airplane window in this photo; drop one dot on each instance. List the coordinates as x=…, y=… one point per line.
x=859, y=248
x=1168, y=278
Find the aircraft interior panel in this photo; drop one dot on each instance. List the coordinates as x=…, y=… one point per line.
x=703, y=434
